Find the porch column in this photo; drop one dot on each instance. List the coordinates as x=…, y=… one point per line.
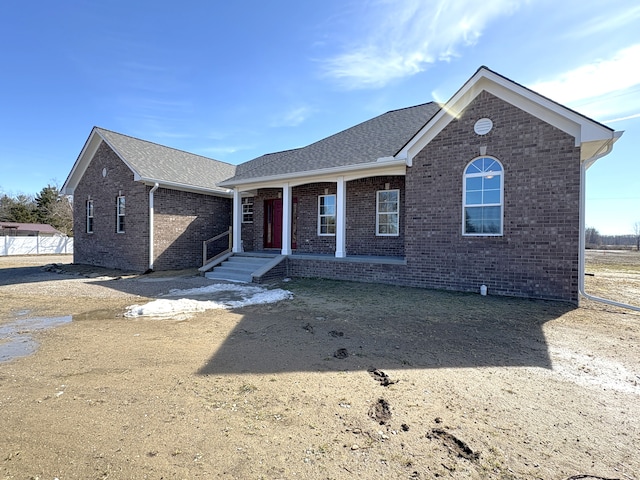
x=341, y=218
x=286, y=219
x=237, y=221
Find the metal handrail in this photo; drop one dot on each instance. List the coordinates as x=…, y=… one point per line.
x=206, y=260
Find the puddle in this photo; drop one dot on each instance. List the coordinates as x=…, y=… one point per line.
x=16, y=339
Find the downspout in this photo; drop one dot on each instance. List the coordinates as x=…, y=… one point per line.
x=581, y=266
x=151, y=238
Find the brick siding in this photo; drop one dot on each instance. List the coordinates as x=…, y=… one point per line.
x=182, y=220
x=104, y=247
x=537, y=255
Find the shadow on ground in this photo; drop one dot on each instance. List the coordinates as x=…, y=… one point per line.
x=332, y=326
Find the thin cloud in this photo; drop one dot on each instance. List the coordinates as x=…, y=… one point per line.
x=603, y=87
x=292, y=117
x=609, y=21
x=410, y=36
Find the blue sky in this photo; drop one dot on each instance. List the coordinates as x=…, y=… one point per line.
x=234, y=80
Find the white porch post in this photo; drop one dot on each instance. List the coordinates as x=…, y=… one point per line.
x=237, y=221
x=286, y=219
x=341, y=218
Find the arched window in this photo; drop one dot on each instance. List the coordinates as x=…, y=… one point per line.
x=483, y=197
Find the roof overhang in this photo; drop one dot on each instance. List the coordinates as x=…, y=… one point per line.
x=592, y=137
x=382, y=166
x=89, y=150
x=82, y=162
x=220, y=192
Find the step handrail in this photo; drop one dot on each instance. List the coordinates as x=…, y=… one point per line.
x=205, y=244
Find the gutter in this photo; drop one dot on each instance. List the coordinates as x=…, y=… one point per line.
x=151, y=238
x=607, y=147
x=379, y=163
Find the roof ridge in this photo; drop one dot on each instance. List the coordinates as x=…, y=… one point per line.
x=161, y=145
x=405, y=108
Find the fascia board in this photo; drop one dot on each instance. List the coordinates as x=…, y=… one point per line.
x=82, y=163
x=183, y=187
x=349, y=172
x=581, y=128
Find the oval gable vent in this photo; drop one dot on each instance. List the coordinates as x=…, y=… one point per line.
x=483, y=126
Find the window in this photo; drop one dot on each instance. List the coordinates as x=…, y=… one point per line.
x=482, y=197
x=120, y=214
x=388, y=213
x=89, y=216
x=247, y=210
x=327, y=215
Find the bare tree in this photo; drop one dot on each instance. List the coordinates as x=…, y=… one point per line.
x=592, y=238
x=636, y=233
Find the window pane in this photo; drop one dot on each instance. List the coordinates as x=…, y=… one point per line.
x=474, y=198
x=476, y=166
x=473, y=220
x=491, y=182
x=474, y=183
x=491, y=196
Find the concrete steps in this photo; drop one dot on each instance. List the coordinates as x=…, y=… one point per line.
x=240, y=268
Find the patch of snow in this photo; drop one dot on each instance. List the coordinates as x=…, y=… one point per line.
x=210, y=297
x=594, y=371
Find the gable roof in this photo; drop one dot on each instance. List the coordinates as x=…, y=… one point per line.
x=153, y=163
x=594, y=139
x=379, y=138
x=397, y=136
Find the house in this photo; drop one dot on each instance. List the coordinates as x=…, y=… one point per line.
x=13, y=229
x=487, y=189
x=142, y=206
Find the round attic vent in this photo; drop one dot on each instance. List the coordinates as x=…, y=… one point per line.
x=483, y=126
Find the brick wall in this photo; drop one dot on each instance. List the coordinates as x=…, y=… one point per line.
x=537, y=255
x=182, y=221
x=104, y=247
x=361, y=218
x=308, y=239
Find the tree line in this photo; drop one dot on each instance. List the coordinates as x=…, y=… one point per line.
x=593, y=238
x=49, y=206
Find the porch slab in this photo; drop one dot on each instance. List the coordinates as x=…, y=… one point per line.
x=370, y=259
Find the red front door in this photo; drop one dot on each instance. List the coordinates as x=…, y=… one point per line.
x=273, y=223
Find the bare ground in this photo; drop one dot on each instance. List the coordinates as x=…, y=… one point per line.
x=344, y=381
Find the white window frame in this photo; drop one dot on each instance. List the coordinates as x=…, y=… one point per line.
x=482, y=174
x=247, y=210
x=89, y=216
x=380, y=213
x=326, y=215
x=120, y=211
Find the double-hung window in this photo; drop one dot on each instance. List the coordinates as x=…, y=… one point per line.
x=327, y=215
x=388, y=213
x=483, y=197
x=247, y=210
x=89, y=216
x=120, y=214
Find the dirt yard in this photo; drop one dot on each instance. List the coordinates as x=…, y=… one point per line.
x=343, y=381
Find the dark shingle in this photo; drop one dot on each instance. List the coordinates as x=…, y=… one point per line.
x=165, y=164
x=382, y=136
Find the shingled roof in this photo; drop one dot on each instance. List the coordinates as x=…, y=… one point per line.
x=151, y=163
x=155, y=162
x=382, y=136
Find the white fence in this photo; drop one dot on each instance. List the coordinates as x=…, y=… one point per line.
x=35, y=245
